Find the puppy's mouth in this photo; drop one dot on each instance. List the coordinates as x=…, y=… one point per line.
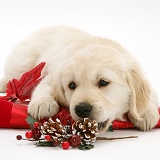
x=102, y=125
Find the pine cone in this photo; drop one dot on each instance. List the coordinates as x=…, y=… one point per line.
x=86, y=129
x=53, y=128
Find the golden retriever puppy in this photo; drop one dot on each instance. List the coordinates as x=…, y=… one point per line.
x=95, y=77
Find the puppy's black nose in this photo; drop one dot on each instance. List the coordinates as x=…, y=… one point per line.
x=83, y=109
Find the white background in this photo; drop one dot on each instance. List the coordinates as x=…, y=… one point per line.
x=133, y=23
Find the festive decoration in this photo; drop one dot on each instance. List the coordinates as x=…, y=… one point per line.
x=29, y=134
x=86, y=129
x=36, y=133
x=74, y=141
x=21, y=89
x=52, y=133
x=13, y=115
x=65, y=145
x=54, y=129
x=18, y=137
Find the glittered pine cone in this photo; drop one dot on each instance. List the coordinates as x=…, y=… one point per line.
x=53, y=128
x=86, y=129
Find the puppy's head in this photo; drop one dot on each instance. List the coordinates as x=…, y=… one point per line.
x=98, y=85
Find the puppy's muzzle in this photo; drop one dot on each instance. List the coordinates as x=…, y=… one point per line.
x=83, y=110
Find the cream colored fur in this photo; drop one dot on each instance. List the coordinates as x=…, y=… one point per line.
x=75, y=56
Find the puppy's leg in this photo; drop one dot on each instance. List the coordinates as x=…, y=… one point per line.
x=42, y=102
x=149, y=119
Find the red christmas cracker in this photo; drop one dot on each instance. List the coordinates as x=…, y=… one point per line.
x=13, y=115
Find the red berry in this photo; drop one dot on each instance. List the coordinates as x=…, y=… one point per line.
x=56, y=143
x=18, y=137
x=68, y=122
x=29, y=135
x=65, y=145
x=36, y=125
x=48, y=137
x=60, y=114
x=36, y=133
x=74, y=141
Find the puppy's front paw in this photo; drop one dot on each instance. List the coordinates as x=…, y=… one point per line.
x=44, y=107
x=150, y=119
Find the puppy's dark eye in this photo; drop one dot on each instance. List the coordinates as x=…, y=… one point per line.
x=72, y=85
x=102, y=83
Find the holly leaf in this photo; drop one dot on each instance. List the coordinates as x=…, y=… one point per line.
x=30, y=120
x=45, y=143
x=85, y=146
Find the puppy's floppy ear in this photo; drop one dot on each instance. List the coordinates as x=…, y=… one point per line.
x=59, y=92
x=140, y=93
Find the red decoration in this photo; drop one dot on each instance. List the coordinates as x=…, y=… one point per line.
x=47, y=137
x=13, y=115
x=36, y=124
x=74, y=141
x=65, y=145
x=21, y=89
x=18, y=137
x=117, y=124
x=29, y=134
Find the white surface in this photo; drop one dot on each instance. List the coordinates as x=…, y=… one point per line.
x=146, y=147
x=133, y=23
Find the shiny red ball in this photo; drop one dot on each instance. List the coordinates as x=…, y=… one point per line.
x=56, y=143
x=65, y=145
x=36, y=125
x=36, y=133
x=18, y=137
x=47, y=137
x=29, y=134
x=74, y=141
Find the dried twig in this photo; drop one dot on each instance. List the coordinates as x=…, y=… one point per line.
x=113, y=138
